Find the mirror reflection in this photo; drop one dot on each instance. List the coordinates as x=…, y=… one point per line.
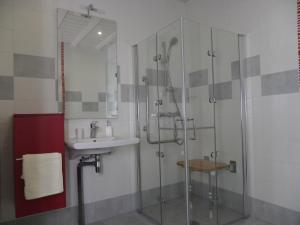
x=87, y=65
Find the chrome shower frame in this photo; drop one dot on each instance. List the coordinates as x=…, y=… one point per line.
x=243, y=113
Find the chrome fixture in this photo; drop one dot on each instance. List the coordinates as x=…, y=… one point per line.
x=176, y=116
x=89, y=8
x=164, y=120
x=92, y=160
x=94, y=129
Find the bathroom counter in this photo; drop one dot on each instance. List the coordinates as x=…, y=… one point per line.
x=203, y=165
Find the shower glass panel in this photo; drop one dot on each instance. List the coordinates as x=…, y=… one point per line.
x=228, y=126
x=191, y=155
x=149, y=150
x=169, y=51
x=200, y=121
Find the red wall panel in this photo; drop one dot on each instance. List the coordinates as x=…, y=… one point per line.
x=37, y=133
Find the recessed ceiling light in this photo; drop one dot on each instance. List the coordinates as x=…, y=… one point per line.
x=99, y=33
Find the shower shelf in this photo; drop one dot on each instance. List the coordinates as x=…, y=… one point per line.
x=203, y=165
x=197, y=128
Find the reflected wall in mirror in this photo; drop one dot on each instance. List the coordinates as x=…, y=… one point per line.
x=87, y=65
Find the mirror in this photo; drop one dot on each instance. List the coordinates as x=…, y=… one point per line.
x=87, y=65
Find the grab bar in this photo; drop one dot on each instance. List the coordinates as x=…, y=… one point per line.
x=194, y=128
x=147, y=118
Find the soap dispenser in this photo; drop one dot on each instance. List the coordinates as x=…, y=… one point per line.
x=108, y=129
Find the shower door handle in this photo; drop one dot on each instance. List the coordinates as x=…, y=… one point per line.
x=157, y=58
x=212, y=100
x=211, y=53
x=160, y=154
x=213, y=154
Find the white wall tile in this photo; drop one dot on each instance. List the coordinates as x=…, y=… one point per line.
x=6, y=40
x=35, y=106
x=35, y=44
x=47, y=6
x=6, y=16
x=34, y=89
x=253, y=87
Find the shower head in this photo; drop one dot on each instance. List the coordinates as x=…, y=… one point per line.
x=173, y=41
x=89, y=8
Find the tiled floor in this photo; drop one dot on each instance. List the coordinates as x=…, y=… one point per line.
x=174, y=214
x=138, y=219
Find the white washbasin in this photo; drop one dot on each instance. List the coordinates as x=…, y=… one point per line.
x=100, y=145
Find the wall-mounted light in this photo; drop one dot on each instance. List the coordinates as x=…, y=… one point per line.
x=99, y=33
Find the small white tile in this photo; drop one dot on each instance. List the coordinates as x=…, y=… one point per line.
x=90, y=96
x=34, y=42
x=6, y=64
x=34, y=22
x=73, y=110
x=6, y=16
x=6, y=40
x=34, y=89
x=47, y=6
x=35, y=106
x=253, y=87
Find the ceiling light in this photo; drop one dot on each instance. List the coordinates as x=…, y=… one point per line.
x=99, y=33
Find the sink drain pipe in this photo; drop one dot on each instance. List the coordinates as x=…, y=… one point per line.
x=92, y=160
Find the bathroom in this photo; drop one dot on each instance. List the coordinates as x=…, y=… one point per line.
x=237, y=115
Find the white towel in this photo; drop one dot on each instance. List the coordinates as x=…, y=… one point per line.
x=42, y=174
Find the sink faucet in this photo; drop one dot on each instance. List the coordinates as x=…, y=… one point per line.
x=94, y=128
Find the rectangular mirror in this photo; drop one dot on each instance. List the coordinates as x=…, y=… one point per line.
x=87, y=65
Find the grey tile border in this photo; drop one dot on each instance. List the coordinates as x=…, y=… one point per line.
x=6, y=88
x=152, y=76
x=178, y=95
x=235, y=70
x=261, y=210
x=111, y=207
x=108, y=208
x=142, y=93
x=50, y=218
x=251, y=67
x=223, y=90
x=34, y=66
x=8, y=223
x=127, y=92
x=198, y=78
x=56, y=90
x=280, y=83
x=273, y=214
x=59, y=106
x=90, y=107
x=102, y=96
x=73, y=96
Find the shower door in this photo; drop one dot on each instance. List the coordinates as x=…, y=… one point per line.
x=212, y=75
x=227, y=97
x=149, y=152
x=189, y=101
x=171, y=120
x=159, y=87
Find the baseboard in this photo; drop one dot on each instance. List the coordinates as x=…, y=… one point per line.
x=273, y=214
x=111, y=207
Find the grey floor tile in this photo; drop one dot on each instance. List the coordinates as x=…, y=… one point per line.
x=174, y=214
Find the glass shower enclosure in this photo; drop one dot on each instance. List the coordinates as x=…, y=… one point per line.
x=190, y=120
